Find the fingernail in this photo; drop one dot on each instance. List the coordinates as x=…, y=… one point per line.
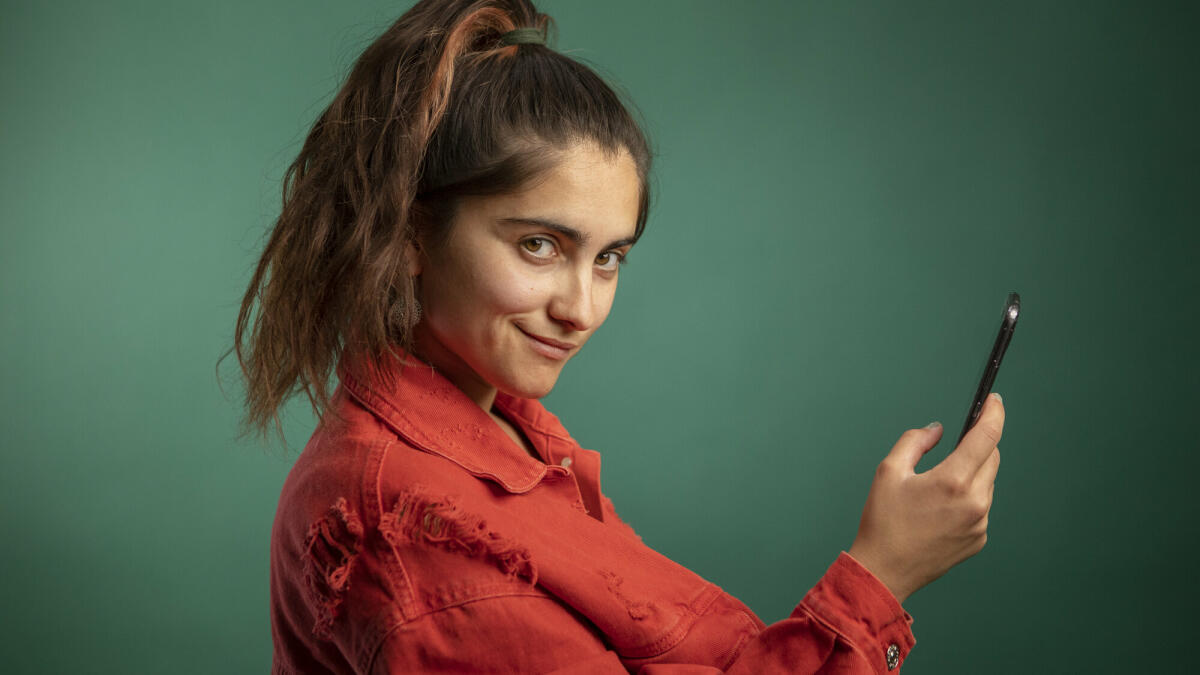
x=998, y=397
x=933, y=425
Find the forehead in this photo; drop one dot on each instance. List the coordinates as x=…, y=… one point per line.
x=587, y=189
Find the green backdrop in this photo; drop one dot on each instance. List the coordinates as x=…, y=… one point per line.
x=846, y=191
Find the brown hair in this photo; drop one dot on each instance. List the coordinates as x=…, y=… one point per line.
x=437, y=108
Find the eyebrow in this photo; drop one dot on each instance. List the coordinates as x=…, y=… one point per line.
x=577, y=237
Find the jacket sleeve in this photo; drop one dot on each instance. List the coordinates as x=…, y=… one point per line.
x=848, y=623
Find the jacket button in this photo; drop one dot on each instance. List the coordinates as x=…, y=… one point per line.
x=565, y=463
x=893, y=656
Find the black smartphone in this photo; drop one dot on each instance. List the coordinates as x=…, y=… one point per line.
x=1008, y=323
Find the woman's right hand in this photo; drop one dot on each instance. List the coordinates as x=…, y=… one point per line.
x=916, y=526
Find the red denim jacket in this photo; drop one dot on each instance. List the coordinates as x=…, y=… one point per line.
x=418, y=537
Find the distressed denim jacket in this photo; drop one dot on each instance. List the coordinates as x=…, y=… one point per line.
x=415, y=536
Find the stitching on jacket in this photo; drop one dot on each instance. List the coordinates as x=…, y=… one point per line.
x=816, y=609
x=378, y=405
x=397, y=626
x=679, y=630
x=512, y=411
x=395, y=577
x=753, y=631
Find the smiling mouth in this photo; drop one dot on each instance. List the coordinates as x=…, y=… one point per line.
x=548, y=347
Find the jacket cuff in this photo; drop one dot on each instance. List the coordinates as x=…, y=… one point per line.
x=861, y=610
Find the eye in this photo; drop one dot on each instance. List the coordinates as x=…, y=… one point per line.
x=609, y=260
x=538, y=247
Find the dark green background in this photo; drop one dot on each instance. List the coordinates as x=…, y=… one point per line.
x=845, y=193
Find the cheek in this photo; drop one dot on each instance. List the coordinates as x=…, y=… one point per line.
x=603, y=301
x=485, y=289
x=512, y=290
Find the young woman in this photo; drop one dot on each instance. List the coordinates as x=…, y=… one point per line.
x=451, y=235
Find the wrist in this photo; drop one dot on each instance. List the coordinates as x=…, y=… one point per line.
x=881, y=573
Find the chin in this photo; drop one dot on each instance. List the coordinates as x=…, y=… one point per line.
x=529, y=392
x=529, y=387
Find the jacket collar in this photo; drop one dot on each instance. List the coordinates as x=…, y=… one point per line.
x=432, y=414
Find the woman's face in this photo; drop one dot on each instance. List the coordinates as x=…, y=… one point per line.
x=524, y=279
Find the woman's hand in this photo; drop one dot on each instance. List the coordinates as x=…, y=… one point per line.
x=916, y=526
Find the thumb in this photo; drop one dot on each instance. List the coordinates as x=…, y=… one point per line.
x=914, y=443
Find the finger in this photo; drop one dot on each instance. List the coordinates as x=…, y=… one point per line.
x=987, y=472
x=913, y=445
x=985, y=479
x=982, y=525
x=979, y=442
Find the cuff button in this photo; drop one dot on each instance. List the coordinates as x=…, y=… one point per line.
x=893, y=656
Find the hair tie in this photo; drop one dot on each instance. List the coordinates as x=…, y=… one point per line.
x=523, y=36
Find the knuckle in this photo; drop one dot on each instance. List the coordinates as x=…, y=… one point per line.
x=978, y=510
x=954, y=486
x=886, y=469
x=981, y=527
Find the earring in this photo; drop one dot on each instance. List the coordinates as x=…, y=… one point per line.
x=416, y=311
x=405, y=318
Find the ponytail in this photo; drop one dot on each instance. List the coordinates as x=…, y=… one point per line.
x=437, y=108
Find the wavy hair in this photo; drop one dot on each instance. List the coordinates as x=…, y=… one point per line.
x=437, y=108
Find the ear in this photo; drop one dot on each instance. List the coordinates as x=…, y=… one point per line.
x=413, y=257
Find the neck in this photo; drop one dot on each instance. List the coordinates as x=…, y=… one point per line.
x=427, y=348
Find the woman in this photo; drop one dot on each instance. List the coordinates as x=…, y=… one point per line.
x=452, y=233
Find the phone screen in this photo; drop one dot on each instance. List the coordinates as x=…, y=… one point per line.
x=1008, y=322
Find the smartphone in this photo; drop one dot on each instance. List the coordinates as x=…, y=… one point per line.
x=1008, y=323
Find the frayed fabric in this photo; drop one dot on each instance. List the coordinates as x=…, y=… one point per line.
x=330, y=549
x=638, y=609
x=439, y=573
x=418, y=518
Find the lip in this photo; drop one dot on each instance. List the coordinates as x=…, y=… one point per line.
x=555, y=349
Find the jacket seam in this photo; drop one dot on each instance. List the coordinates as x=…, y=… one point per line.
x=811, y=609
x=539, y=428
x=374, y=404
x=745, y=639
x=394, y=564
x=387, y=633
x=676, y=633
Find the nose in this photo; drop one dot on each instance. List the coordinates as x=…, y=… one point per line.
x=572, y=303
